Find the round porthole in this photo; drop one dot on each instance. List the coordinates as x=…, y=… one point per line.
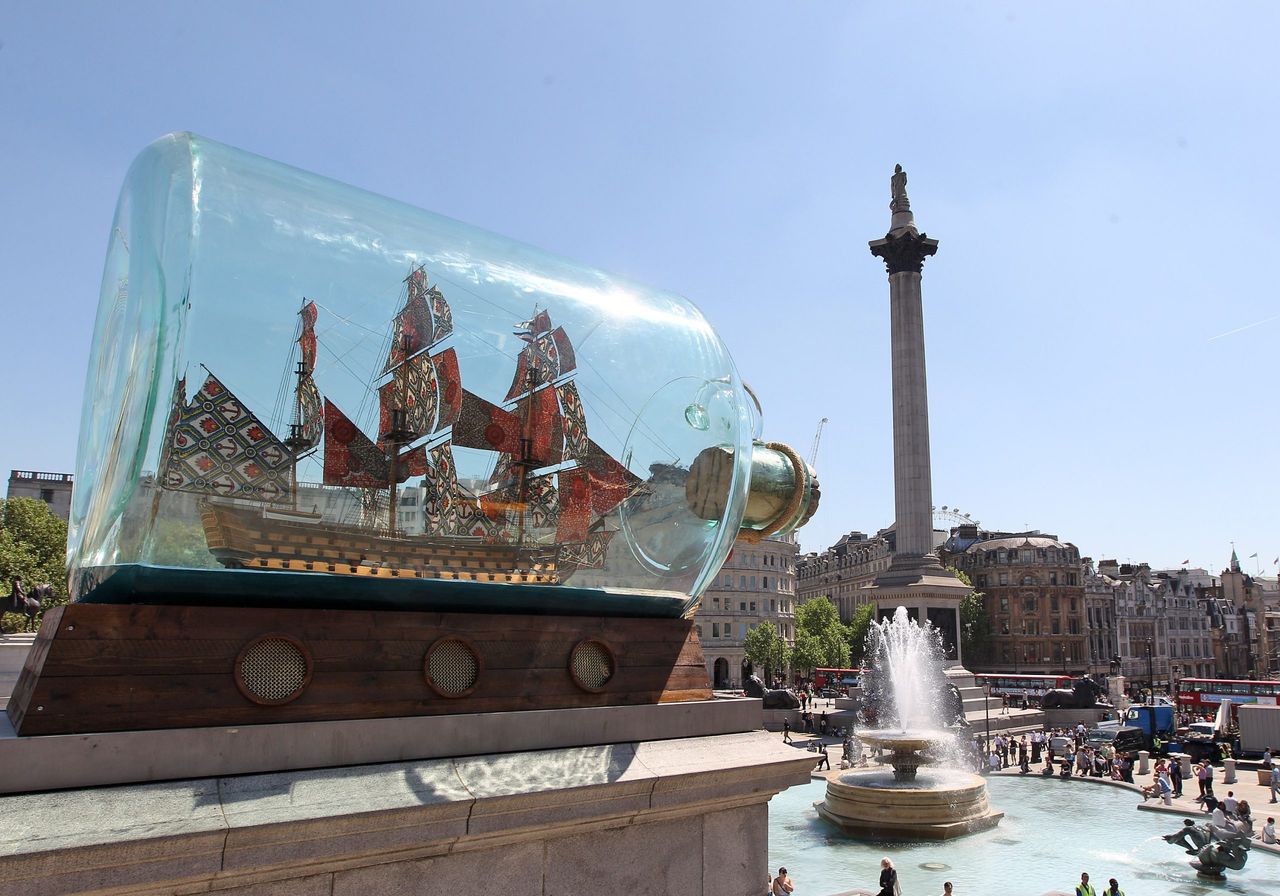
x=452, y=667
x=592, y=665
x=273, y=669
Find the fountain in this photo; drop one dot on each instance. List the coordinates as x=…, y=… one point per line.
x=937, y=803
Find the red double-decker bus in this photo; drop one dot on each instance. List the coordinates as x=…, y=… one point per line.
x=1202, y=696
x=1014, y=685
x=837, y=678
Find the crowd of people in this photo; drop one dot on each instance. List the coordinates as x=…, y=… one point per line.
x=1062, y=750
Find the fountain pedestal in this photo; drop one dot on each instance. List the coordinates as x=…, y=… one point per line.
x=937, y=804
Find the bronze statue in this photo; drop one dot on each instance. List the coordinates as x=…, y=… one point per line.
x=1216, y=849
x=773, y=699
x=1085, y=694
x=898, y=185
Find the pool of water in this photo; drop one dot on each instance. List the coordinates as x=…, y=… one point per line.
x=1052, y=831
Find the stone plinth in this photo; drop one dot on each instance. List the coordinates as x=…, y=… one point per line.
x=52, y=762
x=684, y=816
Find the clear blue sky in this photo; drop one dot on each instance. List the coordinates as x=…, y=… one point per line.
x=1101, y=317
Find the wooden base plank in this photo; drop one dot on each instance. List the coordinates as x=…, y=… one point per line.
x=108, y=667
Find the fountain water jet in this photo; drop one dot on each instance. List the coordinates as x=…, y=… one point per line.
x=909, y=691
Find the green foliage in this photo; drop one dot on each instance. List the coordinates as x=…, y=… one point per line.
x=859, y=628
x=821, y=639
x=766, y=649
x=33, y=545
x=975, y=625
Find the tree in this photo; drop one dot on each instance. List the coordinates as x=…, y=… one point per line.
x=975, y=625
x=859, y=628
x=33, y=545
x=821, y=639
x=766, y=649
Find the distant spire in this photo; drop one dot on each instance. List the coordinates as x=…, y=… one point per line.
x=1235, y=561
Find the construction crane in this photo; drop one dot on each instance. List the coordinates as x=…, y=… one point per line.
x=817, y=437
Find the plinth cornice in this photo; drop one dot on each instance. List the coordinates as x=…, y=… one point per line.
x=904, y=252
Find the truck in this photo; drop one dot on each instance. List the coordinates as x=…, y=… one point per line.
x=1259, y=727
x=1155, y=721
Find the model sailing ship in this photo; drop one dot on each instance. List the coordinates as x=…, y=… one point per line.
x=541, y=516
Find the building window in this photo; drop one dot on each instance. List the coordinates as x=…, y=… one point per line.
x=982, y=581
x=1071, y=579
x=753, y=606
x=1057, y=626
x=1031, y=626
x=1053, y=578
x=1029, y=603
x=773, y=606
x=764, y=582
x=1053, y=604
x=1004, y=604
x=715, y=629
x=742, y=583
x=753, y=583
x=1004, y=578
x=1073, y=626
x=46, y=495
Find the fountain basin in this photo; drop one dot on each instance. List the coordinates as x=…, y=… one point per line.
x=938, y=805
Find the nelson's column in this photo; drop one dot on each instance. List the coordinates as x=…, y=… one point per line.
x=915, y=579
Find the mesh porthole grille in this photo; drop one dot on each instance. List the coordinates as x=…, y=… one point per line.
x=273, y=670
x=452, y=668
x=591, y=665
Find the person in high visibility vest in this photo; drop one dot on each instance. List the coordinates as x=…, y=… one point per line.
x=1113, y=889
x=1084, y=888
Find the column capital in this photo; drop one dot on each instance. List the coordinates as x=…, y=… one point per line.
x=904, y=251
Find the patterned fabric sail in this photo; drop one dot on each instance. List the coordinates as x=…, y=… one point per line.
x=573, y=421
x=546, y=356
x=350, y=458
x=412, y=331
x=482, y=424
x=216, y=446
x=311, y=410
x=442, y=314
x=307, y=341
x=448, y=387
x=539, y=417
x=441, y=498
x=413, y=391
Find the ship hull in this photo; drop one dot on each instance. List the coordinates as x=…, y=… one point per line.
x=248, y=538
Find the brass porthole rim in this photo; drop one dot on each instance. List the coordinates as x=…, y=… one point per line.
x=426, y=665
x=613, y=661
x=273, y=636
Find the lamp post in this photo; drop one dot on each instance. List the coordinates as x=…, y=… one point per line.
x=782, y=648
x=1151, y=675
x=986, y=711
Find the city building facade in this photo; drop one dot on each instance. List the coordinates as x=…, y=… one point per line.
x=844, y=572
x=53, y=489
x=1033, y=593
x=1162, y=631
x=755, y=586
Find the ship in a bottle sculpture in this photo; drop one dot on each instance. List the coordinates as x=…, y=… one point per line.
x=344, y=458
x=541, y=515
